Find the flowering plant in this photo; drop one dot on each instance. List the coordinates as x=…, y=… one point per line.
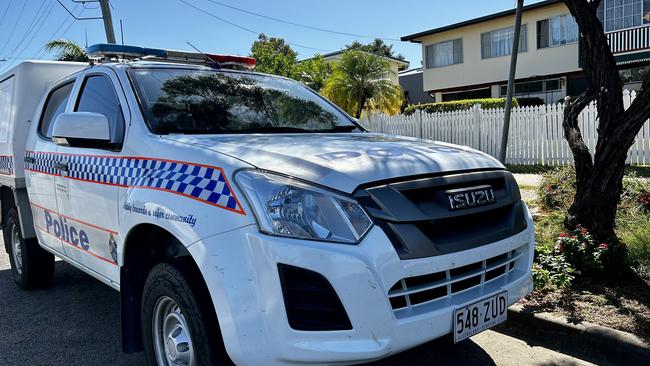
x=582, y=251
x=644, y=200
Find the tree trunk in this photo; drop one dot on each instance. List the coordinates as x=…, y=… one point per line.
x=596, y=199
x=362, y=105
x=599, y=180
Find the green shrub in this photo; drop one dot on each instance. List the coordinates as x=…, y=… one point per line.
x=589, y=258
x=557, y=188
x=459, y=105
x=634, y=231
x=551, y=270
x=636, y=194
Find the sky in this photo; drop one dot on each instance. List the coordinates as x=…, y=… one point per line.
x=25, y=25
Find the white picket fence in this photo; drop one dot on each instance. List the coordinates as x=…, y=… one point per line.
x=536, y=134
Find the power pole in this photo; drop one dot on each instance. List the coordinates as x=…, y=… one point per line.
x=511, y=82
x=108, y=20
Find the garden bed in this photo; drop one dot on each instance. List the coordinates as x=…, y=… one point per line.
x=625, y=308
x=570, y=280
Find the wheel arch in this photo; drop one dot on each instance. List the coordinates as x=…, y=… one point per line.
x=145, y=245
x=18, y=198
x=7, y=201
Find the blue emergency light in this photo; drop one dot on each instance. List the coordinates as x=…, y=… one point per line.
x=108, y=51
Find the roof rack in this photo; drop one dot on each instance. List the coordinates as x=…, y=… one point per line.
x=109, y=52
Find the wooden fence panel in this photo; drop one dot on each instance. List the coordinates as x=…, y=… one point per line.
x=536, y=135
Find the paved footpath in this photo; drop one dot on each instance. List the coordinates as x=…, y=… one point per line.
x=77, y=322
x=528, y=180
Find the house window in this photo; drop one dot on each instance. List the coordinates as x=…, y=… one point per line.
x=557, y=31
x=534, y=87
x=634, y=75
x=444, y=53
x=622, y=14
x=499, y=42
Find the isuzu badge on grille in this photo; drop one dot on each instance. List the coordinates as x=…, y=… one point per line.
x=470, y=197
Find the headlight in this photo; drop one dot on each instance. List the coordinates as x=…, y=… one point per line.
x=286, y=207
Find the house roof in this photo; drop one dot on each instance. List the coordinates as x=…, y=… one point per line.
x=336, y=53
x=410, y=72
x=510, y=12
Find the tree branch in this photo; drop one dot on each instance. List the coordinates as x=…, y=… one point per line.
x=598, y=63
x=572, y=133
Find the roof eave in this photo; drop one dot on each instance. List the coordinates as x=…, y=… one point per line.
x=414, y=37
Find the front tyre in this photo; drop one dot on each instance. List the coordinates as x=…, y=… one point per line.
x=177, y=328
x=31, y=265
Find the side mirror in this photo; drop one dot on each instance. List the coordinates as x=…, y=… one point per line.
x=81, y=129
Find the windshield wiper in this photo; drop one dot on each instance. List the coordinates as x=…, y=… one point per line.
x=286, y=129
x=344, y=128
x=269, y=129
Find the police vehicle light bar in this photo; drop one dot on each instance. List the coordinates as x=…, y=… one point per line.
x=107, y=51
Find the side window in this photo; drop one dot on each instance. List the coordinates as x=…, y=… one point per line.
x=98, y=96
x=55, y=105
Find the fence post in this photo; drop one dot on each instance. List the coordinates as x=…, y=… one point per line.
x=476, y=122
x=421, y=133
x=626, y=99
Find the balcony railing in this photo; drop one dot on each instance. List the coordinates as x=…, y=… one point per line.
x=628, y=40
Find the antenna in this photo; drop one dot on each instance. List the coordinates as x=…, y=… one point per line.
x=215, y=63
x=121, y=32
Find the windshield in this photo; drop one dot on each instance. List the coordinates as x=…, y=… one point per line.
x=215, y=102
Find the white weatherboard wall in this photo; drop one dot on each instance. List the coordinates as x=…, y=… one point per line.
x=536, y=135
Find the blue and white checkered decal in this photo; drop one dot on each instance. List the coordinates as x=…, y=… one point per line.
x=200, y=182
x=6, y=165
x=41, y=162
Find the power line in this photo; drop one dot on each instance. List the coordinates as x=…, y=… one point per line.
x=38, y=29
x=38, y=19
x=13, y=30
x=244, y=28
x=300, y=25
x=75, y=16
x=42, y=51
x=6, y=12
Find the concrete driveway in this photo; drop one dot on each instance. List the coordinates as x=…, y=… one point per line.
x=77, y=322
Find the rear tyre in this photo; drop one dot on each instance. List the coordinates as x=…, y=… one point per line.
x=31, y=265
x=177, y=327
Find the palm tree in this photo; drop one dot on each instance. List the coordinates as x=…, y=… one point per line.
x=314, y=72
x=68, y=50
x=359, y=82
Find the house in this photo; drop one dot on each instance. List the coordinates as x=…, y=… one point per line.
x=471, y=59
x=411, y=83
x=395, y=64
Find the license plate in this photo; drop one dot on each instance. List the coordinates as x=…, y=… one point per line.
x=479, y=316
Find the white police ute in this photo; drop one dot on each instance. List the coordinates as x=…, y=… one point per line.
x=246, y=219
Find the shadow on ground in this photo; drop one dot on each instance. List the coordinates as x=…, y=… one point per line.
x=624, y=306
x=77, y=322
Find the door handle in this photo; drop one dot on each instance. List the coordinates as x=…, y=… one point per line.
x=62, y=166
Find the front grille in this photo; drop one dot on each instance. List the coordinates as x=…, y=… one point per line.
x=411, y=292
x=417, y=217
x=310, y=301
